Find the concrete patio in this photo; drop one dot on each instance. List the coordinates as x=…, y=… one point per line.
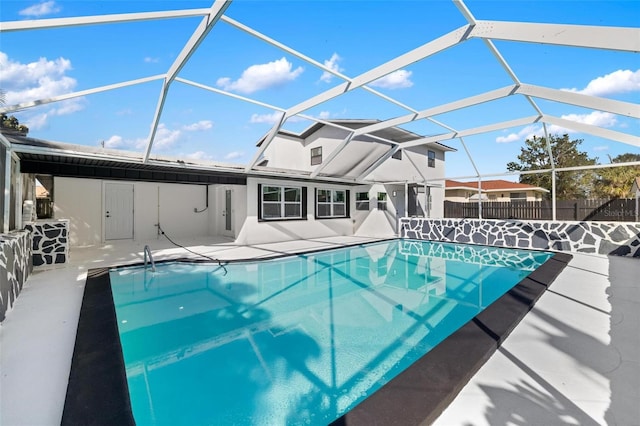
x=574, y=359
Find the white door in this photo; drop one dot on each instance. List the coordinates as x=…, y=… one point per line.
x=118, y=211
x=227, y=213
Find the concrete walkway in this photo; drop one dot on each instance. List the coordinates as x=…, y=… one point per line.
x=573, y=360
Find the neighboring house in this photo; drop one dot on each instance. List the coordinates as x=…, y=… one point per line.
x=41, y=192
x=492, y=190
x=112, y=195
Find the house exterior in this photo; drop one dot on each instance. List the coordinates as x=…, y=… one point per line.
x=492, y=190
x=399, y=181
x=105, y=195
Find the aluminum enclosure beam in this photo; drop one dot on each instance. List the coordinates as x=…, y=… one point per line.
x=206, y=24
x=307, y=59
x=608, y=38
x=593, y=130
x=268, y=139
x=438, y=45
x=474, y=131
x=39, y=24
x=80, y=93
x=333, y=155
x=377, y=163
x=440, y=109
x=627, y=109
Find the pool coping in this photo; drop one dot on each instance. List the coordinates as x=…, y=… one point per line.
x=97, y=392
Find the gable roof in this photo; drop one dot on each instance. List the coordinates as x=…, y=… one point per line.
x=394, y=134
x=492, y=185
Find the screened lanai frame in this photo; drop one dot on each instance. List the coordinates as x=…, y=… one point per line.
x=623, y=39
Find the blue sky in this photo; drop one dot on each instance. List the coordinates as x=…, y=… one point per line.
x=350, y=36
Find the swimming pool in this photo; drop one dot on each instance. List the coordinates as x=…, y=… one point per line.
x=296, y=340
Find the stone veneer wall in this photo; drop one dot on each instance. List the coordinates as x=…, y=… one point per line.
x=616, y=238
x=15, y=267
x=50, y=241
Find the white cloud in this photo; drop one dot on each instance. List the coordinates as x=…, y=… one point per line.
x=42, y=79
x=511, y=137
x=601, y=148
x=41, y=9
x=523, y=134
x=266, y=118
x=620, y=81
x=151, y=60
x=114, y=142
x=36, y=122
x=199, y=126
x=126, y=111
x=40, y=120
x=261, y=76
x=324, y=115
x=233, y=155
x=165, y=137
x=331, y=63
x=199, y=155
x=595, y=118
x=399, y=79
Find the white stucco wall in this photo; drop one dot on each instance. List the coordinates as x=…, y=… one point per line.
x=217, y=206
x=80, y=201
x=437, y=204
x=285, y=152
x=404, y=169
x=377, y=222
x=256, y=232
x=171, y=205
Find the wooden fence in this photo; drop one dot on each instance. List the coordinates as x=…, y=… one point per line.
x=44, y=208
x=616, y=210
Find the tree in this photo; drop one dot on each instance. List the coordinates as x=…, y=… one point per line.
x=11, y=123
x=615, y=182
x=534, y=156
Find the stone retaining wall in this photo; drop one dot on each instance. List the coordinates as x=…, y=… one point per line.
x=15, y=267
x=50, y=241
x=614, y=238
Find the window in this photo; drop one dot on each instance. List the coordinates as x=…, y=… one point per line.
x=362, y=201
x=518, y=196
x=316, y=156
x=281, y=202
x=397, y=155
x=332, y=203
x=431, y=158
x=382, y=200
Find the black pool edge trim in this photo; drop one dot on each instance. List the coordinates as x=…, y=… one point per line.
x=419, y=394
x=98, y=394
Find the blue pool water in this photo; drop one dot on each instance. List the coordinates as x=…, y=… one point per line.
x=301, y=339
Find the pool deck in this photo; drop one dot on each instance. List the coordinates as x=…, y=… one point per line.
x=574, y=359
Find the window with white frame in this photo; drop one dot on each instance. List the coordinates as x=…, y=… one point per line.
x=316, y=156
x=281, y=202
x=362, y=201
x=382, y=200
x=331, y=203
x=431, y=158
